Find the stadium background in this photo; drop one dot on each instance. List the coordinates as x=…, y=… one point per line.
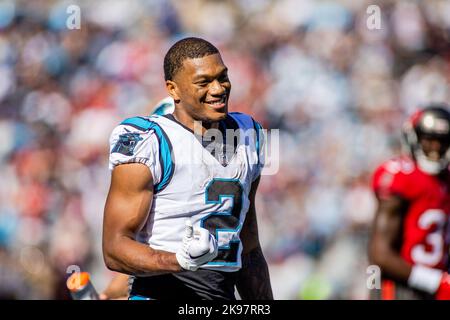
x=337, y=91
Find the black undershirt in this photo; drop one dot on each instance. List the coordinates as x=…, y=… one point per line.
x=202, y=284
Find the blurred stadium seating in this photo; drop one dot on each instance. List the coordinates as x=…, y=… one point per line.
x=336, y=90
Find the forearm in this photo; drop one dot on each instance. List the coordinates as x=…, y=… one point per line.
x=386, y=234
x=253, y=280
x=392, y=265
x=128, y=256
x=429, y=280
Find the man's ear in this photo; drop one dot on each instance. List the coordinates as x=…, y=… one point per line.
x=172, y=89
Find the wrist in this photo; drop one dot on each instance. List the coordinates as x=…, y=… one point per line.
x=174, y=263
x=425, y=278
x=165, y=262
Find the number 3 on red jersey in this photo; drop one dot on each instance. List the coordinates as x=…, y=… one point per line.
x=431, y=251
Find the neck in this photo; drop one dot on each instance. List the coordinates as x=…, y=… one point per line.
x=199, y=127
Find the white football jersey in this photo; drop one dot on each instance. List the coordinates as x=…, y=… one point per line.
x=190, y=183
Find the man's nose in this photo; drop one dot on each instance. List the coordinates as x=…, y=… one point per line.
x=435, y=149
x=216, y=88
x=435, y=145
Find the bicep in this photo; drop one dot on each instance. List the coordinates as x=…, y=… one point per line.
x=129, y=200
x=388, y=223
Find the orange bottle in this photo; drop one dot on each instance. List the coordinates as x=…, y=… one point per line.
x=80, y=287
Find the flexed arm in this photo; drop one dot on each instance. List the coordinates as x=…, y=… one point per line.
x=126, y=210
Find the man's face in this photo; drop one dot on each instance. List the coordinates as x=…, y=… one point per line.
x=203, y=88
x=434, y=148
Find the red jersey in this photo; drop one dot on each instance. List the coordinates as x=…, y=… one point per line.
x=424, y=235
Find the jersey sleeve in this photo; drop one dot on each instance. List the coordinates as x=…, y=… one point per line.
x=131, y=145
x=389, y=181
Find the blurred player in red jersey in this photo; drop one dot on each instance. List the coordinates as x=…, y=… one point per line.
x=410, y=233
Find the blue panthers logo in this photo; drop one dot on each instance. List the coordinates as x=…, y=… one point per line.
x=126, y=143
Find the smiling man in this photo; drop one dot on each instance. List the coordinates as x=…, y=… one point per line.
x=180, y=216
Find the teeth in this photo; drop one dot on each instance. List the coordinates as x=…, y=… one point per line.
x=222, y=100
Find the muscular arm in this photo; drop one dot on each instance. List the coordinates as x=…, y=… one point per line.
x=126, y=210
x=253, y=279
x=386, y=231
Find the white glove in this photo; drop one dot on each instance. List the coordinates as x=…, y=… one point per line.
x=199, y=247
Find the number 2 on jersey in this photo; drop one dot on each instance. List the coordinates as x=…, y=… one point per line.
x=226, y=223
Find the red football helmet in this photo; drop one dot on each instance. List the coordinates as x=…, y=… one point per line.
x=427, y=137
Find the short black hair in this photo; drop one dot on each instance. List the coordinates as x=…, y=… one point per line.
x=187, y=48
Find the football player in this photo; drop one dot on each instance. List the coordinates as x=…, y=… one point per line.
x=410, y=239
x=180, y=214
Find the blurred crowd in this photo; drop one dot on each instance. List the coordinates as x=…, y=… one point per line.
x=337, y=89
